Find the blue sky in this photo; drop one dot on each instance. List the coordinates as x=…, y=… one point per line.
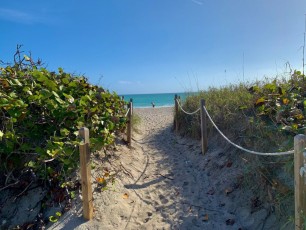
x=154, y=46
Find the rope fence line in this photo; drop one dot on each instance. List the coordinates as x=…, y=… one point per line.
x=241, y=148
x=229, y=141
x=127, y=112
x=189, y=113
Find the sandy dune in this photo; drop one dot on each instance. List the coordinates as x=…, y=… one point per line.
x=164, y=182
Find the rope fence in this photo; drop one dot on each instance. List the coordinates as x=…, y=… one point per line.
x=127, y=112
x=228, y=140
x=241, y=148
x=188, y=113
x=299, y=159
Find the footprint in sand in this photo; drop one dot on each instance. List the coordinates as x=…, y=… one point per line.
x=163, y=199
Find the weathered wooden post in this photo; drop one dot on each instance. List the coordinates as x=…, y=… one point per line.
x=299, y=180
x=204, y=142
x=129, y=127
x=85, y=174
x=176, y=113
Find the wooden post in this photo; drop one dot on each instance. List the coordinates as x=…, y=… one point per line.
x=299, y=180
x=131, y=101
x=129, y=127
x=176, y=113
x=85, y=174
x=204, y=142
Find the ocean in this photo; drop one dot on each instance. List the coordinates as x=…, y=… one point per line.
x=160, y=99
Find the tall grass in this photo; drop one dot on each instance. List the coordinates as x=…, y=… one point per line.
x=264, y=115
x=224, y=105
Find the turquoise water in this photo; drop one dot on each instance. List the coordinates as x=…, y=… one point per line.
x=160, y=100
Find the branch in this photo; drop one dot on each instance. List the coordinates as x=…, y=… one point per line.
x=5, y=187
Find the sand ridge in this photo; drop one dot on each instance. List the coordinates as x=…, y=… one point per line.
x=164, y=182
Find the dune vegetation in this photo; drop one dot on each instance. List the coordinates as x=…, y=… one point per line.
x=263, y=116
x=40, y=115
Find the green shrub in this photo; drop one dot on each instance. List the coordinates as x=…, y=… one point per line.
x=41, y=113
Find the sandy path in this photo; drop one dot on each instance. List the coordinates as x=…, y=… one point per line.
x=164, y=182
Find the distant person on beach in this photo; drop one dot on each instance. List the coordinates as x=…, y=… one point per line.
x=153, y=105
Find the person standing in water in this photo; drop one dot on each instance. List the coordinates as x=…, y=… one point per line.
x=153, y=105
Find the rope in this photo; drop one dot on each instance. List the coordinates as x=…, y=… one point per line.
x=127, y=112
x=246, y=150
x=185, y=111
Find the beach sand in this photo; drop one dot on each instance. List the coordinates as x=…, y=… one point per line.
x=165, y=182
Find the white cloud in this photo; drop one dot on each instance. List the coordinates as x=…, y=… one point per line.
x=197, y=2
x=22, y=16
x=16, y=16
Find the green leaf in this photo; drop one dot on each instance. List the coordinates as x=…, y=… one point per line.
x=73, y=84
x=1, y=135
x=111, y=126
x=27, y=90
x=76, y=133
x=39, y=76
x=260, y=101
x=13, y=95
x=64, y=132
x=271, y=87
x=4, y=102
x=59, y=143
x=55, y=94
x=31, y=164
x=69, y=97
x=26, y=58
x=53, y=219
x=72, y=194
x=65, y=80
x=45, y=93
x=59, y=100
x=53, y=152
x=51, y=84
x=294, y=126
x=17, y=82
